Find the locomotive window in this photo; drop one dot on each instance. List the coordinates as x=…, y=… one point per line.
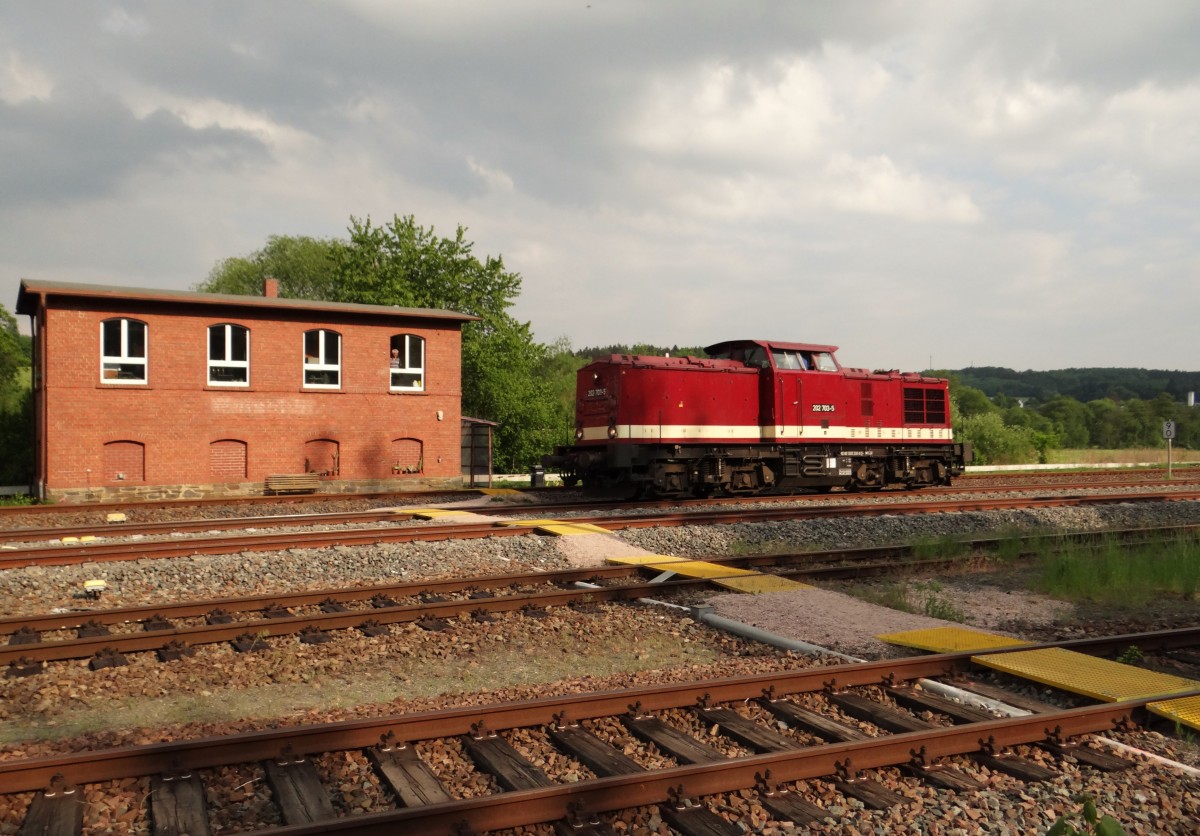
x=322, y=359
x=122, y=351
x=228, y=355
x=824, y=361
x=757, y=358
x=789, y=360
x=407, y=363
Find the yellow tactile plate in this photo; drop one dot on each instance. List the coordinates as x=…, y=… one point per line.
x=950, y=640
x=1184, y=710
x=757, y=584
x=1100, y=679
x=563, y=529
x=428, y=513
x=651, y=560
x=556, y=527
x=498, y=491
x=739, y=580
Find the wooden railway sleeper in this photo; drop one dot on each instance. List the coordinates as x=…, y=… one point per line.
x=174, y=650
x=372, y=627
x=22, y=667
x=156, y=623
x=25, y=635
x=107, y=657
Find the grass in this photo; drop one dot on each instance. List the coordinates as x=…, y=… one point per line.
x=920, y=597
x=1122, y=576
x=1156, y=456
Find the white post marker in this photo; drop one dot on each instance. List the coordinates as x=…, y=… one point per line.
x=1169, y=435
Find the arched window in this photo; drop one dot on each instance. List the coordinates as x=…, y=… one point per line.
x=322, y=359
x=407, y=363
x=123, y=351
x=228, y=355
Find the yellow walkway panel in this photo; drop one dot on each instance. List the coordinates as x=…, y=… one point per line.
x=739, y=580
x=759, y=583
x=1185, y=710
x=498, y=491
x=1100, y=679
x=654, y=561
x=558, y=528
x=950, y=640
x=429, y=513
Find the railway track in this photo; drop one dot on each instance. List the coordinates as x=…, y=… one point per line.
x=171, y=628
x=753, y=735
x=169, y=527
x=102, y=551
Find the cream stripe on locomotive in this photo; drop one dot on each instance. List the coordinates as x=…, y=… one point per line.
x=750, y=433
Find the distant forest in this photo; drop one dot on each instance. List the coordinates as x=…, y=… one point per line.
x=997, y=382
x=1081, y=384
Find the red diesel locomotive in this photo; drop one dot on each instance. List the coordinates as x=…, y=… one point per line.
x=756, y=416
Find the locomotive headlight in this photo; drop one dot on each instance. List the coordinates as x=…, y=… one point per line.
x=579, y=434
x=612, y=430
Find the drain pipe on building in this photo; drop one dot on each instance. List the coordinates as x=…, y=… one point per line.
x=707, y=615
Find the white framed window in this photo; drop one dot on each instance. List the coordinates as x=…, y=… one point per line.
x=407, y=363
x=322, y=359
x=123, y=351
x=228, y=355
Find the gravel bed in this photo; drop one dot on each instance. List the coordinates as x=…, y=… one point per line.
x=1146, y=799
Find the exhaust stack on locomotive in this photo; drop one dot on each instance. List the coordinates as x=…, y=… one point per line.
x=756, y=416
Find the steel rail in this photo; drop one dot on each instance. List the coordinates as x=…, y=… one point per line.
x=817, y=564
x=167, y=527
x=224, y=544
x=528, y=807
x=132, y=761
x=499, y=510
x=267, y=628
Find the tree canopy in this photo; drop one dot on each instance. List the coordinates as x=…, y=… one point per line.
x=403, y=263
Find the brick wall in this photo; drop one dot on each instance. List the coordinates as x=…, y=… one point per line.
x=190, y=432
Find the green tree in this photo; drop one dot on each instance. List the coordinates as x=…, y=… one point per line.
x=16, y=404
x=971, y=401
x=994, y=442
x=14, y=352
x=1069, y=419
x=403, y=263
x=304, y=267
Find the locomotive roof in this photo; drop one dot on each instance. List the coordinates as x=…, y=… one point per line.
x=723, y=346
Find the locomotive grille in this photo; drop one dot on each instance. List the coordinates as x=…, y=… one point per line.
x=924, y=406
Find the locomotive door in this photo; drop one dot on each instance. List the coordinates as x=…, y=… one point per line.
x=789, y=406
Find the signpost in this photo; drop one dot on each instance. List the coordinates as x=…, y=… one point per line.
x=1169, y=435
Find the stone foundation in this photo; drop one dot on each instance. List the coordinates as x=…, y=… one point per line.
x=159, y=493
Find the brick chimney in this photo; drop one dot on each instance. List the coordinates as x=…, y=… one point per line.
x=271, y=288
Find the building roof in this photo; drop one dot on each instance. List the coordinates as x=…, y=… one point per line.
x=31, y=288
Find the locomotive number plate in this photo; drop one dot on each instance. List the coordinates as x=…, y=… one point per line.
x=597, y=393
x=823, y=407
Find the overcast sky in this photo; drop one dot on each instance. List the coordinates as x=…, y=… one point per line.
x=945, y=183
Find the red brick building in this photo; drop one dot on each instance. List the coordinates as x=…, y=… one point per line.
x=159, y=394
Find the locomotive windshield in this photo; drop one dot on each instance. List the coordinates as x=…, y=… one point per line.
x=787, y=359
